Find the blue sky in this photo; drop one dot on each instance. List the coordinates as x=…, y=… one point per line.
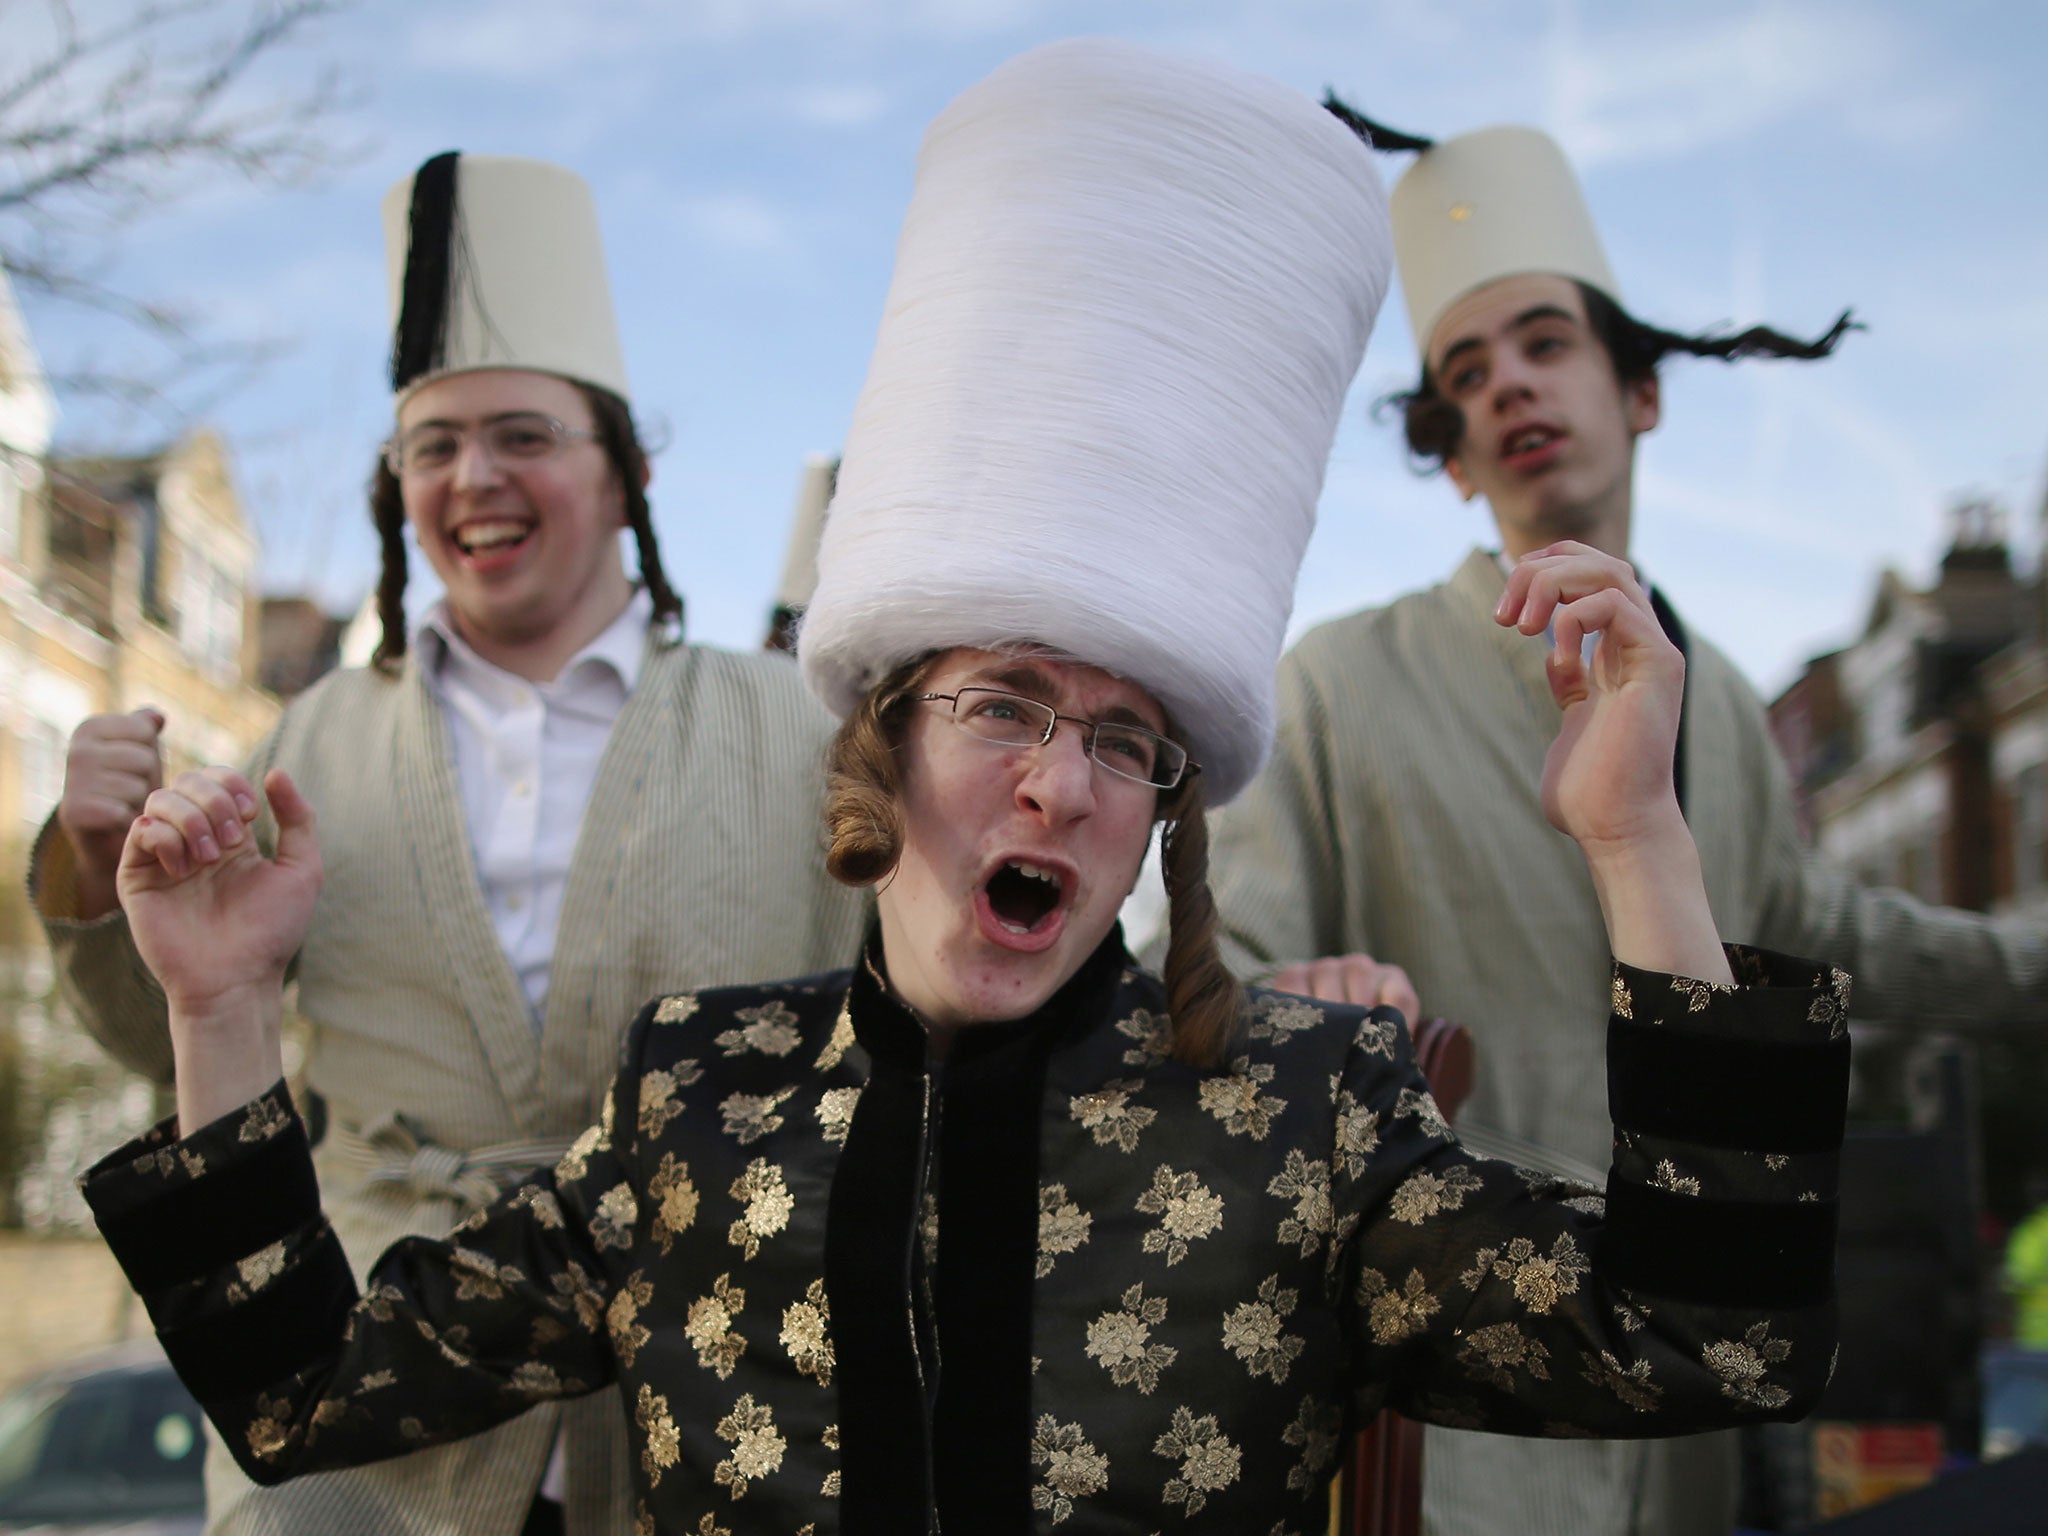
x=752, y=158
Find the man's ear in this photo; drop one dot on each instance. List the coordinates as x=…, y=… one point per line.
x=1456, y=471
x=1644, y=403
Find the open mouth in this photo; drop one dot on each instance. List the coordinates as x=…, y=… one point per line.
x=1022, y=895
x=491, y=538
x=1526, y=440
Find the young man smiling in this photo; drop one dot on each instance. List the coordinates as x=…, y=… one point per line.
x=1395, y=848
x=541, y=806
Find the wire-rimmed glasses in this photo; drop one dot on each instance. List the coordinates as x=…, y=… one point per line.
x=1011, y=720
x=520, y=437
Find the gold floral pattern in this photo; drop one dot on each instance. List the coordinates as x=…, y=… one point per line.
x=757, y=1448
x=1235, y=1099
x=266, y=1118
x=1744, y=1366
x=1540, y=1280
x=1494, y=1353
x=664, y=1443
x=617, y=1213
x=709, y=1326
x=678, y=1009
x=1154, y=1034
x=1426, y=1193
x=623, y=1316
x=575, y=1163
x=261, y=1267
x=659, y=1103
x=750, y=1116
x=1121, y=1341
x=1209, y=1462
x=835, y=1113
x=1063, y=1227
x=1666, y=1176
x=1358, y=1133
x=770, y=1029
x=1307, y=1184
x=1394, y=1315
x=767, y=1202
x=1074, y=1469
x=1187, y=1209
x=1278, y=1017
x=1631, y=1383
x=1314, y=1431
x=807, y=1334
x=1343, y=1246
x=1110, y=1117
x=1252, y=1331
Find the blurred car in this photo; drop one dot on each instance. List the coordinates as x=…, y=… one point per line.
x=108, y=1443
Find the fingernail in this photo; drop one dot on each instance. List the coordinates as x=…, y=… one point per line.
x=231, y=833
x=207, y=850
x=245, y=805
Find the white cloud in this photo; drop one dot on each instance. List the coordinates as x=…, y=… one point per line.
x=740, y=222
x=1668, y=87
x=840, y=106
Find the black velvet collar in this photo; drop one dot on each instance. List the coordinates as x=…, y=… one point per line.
x=938, y=1415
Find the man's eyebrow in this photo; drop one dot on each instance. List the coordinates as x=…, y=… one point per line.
x=1529, y=316
x=483, y=421
x=1021, y=677
x=1033, y=682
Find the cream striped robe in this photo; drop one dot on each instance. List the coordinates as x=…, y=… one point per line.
x=1400, y=816
x=699, y=863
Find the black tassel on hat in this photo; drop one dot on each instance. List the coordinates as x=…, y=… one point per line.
x=1376, y=135
x=420, y=343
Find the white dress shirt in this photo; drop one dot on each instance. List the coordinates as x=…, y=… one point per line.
x=526, y=757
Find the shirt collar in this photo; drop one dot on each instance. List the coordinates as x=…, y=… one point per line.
x=619, y=648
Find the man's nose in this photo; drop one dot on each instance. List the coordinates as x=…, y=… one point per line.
x=1059, y=776
x=475, y=465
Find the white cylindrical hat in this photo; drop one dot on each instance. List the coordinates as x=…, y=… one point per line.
x=1501, y=202
x=1130, y=293
x=496, y=262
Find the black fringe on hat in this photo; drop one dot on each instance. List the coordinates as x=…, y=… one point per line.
x=1376, y=135
x=420, y=343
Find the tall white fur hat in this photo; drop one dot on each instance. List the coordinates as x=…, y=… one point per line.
x=1129, y=295
x=496, y=262
x=1501, y=202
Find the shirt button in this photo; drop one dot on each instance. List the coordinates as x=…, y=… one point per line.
x=522, y=789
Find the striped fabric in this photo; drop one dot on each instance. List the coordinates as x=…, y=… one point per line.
x=1400, y=816
x=699, y=863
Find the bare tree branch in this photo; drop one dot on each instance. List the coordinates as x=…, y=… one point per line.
x=105, y=121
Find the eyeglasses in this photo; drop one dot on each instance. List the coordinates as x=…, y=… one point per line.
x=524, y=437
x=1011, y=720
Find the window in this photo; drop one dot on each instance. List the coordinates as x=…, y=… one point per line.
x=210, y=616
x=42, y=769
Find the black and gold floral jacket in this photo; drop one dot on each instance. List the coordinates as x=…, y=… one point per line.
x=1057, y=1282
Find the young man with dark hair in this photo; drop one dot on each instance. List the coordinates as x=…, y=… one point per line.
x=1395, y=848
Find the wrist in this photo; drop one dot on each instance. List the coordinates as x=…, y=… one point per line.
x=226, y=1051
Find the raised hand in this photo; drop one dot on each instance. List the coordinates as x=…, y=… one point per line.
x=1607, y=779
x=113, y=763
x=211, y=916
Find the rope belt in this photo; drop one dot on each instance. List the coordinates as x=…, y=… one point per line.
x=390, y=1151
